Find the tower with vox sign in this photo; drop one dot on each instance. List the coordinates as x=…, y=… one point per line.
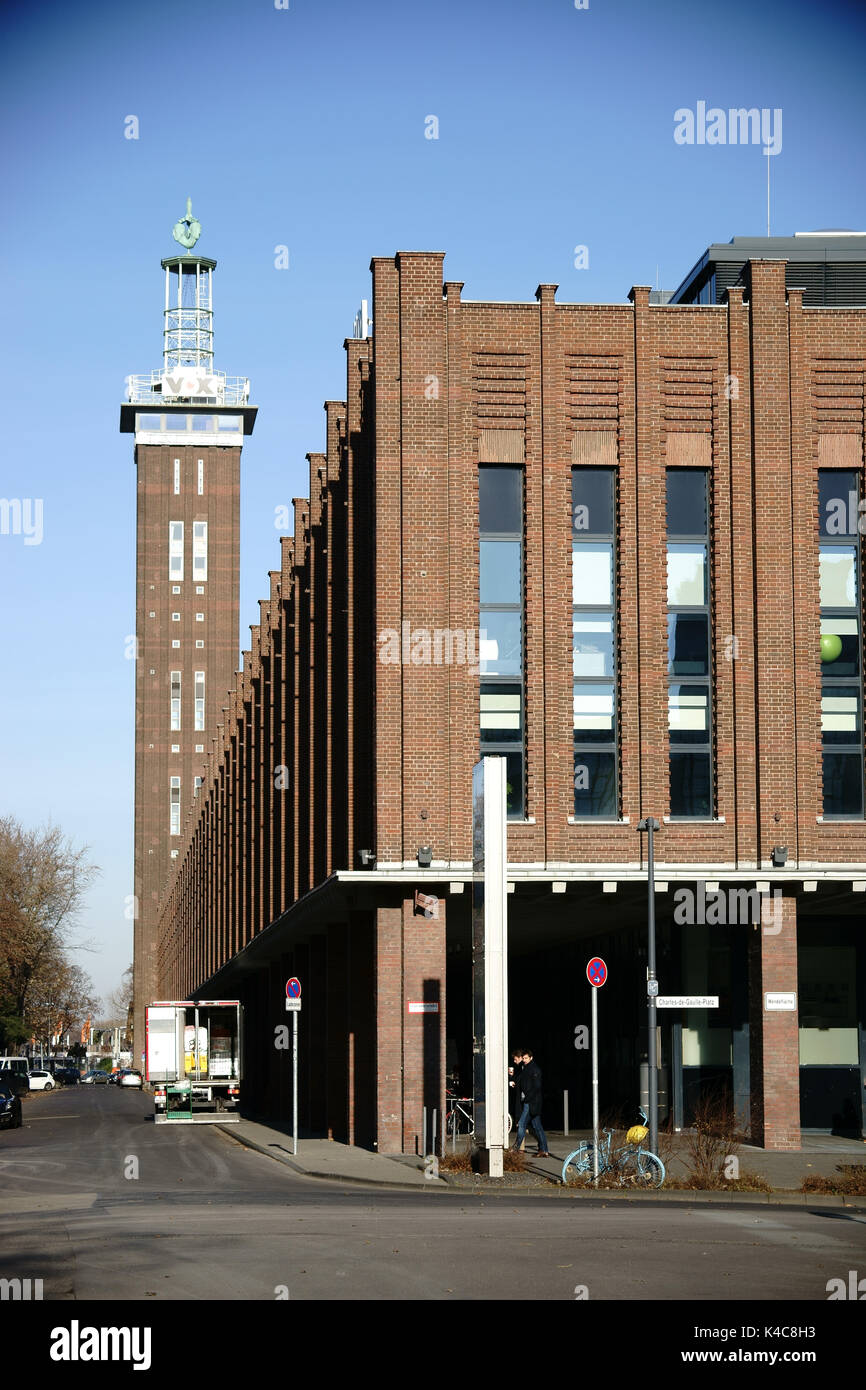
x=189, y=421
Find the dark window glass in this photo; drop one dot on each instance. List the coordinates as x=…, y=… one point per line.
x=592, y=501
x=690, y=783
x=843, y=784
x=687, y=502
x=840, y=646
x=500, y=499
x=688, y=644
x=514, y=785
x=838, y=492
x=594, y=782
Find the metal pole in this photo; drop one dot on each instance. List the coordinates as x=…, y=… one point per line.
x=433, y=1135
x=565, y=1113
x=594, y=993
x=295, y=1083
x=650, y=824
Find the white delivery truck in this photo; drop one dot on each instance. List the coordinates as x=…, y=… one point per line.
x=193, y=1059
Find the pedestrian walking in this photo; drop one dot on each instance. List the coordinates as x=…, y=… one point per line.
x=515, y=1095
x=530, y=1085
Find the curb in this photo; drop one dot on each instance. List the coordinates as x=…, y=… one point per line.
x=289, y=1162
x=556, y=1188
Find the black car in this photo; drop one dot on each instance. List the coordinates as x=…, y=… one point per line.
x=18, y=1082
x=67, y=1076
x=10, y=1108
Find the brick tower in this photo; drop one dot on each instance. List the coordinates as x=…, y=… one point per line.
x=189, y=422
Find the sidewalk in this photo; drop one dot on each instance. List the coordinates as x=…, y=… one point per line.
x=324, y=1158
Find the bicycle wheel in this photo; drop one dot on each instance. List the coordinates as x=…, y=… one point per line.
x=579, y=1161
x=641, y=1168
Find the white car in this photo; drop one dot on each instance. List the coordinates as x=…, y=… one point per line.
x=41, y=1081
x=131, y=1078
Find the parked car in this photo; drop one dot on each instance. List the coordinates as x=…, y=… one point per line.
x=10, y=1108
x=95, y=1078
x=18, y=1082
x=41, y=1081
x=67, y=1076
x=131, y=1078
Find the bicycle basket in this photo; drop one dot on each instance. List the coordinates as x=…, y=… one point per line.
x=637, y=1134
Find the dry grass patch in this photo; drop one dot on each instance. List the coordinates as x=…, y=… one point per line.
x=850, y=1183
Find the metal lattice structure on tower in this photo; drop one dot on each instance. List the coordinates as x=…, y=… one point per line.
x=188, y=335
x=187, y=374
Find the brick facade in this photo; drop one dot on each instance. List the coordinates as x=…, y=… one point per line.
x=378, y=757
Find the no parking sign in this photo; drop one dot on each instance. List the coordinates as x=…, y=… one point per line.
x=596, y=972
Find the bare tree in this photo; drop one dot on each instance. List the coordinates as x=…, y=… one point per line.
x=43, y=882
x=119, y=1001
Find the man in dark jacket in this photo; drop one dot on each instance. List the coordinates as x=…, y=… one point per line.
x=515, y=1099
x=530, y=1085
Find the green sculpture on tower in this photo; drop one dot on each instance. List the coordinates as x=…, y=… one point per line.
x=188, y=230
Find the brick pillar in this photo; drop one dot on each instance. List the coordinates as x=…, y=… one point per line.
x=389, y=1030
x=410, y=967
x=337, y=1118
x=778, y=753
x=774, y=1036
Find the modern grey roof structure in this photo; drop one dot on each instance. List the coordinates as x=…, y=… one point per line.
x=830, y=266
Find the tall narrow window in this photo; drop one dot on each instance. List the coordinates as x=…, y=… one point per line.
x=174, y=806
x=841, y=656
x=175, y=550
x=176, y=476
x=175, y=699
x=198, y=782
x=201, y=477
x=500, y=651
x=199, y=550
x=689, y=645
x=199, y=699
x=593, y=641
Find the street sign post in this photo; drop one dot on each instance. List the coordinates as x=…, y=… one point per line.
x=293, y=1006
x=596, y=973
x=687, y=1001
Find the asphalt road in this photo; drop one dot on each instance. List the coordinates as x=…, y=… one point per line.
x=206, y=1219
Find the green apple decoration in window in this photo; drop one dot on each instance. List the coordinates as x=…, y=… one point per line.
x=831, y=646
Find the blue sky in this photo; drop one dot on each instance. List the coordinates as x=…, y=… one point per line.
x=305, y=127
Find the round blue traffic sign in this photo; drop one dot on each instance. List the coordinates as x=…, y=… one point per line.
x=596, y=972
x=293, y=988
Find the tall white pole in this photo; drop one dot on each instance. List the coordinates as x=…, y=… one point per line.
x=594, y=992
x=295, y=1083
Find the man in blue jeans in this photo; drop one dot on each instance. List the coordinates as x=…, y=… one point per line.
x=530, y=1085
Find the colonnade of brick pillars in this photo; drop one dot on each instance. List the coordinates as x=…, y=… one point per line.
x=773, y=1033
x=410, y=971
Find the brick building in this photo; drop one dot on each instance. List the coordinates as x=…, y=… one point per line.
x=619, y=545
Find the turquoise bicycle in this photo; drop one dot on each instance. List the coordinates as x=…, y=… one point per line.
x=632, y=1164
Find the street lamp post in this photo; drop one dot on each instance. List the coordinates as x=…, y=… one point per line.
x=650, y=825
